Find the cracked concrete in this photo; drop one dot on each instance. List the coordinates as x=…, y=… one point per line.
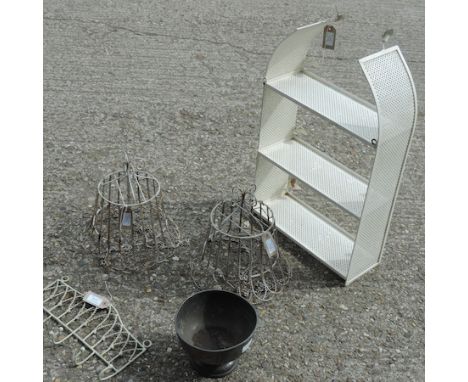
x=116, y=28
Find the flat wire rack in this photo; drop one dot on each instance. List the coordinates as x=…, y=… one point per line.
x=101, y=332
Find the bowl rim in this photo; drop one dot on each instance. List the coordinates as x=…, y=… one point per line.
x=247, y=339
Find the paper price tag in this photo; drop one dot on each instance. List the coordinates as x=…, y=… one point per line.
x=127, y=218
x=329, y=37
x=96, y=300
x=269, y=244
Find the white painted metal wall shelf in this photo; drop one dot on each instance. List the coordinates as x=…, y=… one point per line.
x=388, y=126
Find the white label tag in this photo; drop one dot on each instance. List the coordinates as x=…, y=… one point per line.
x=96, y=300
x=246, y=346
x=269, y=244
x=127, y=218
x=329, y=35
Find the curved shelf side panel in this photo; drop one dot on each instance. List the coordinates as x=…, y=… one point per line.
x=291, y=53
x=395, y=96
x=278, y=112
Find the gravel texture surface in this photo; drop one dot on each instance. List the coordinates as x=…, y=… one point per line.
x=185, y=78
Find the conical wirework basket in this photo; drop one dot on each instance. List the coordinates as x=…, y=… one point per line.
x=130, y=224
x=234, y=255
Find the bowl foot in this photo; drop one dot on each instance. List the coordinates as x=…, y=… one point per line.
x=215, y=371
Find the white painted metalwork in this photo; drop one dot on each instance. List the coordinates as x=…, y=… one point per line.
x=333, y=104
x=387, y=126
x=395, y=96
x=100, y=331
x=314, y=169
x=240, y=252
x=305, y=226
x=130, y=222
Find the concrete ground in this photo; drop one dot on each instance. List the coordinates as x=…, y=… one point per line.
x=185, y=78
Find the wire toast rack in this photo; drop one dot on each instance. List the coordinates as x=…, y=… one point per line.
x=99, y=330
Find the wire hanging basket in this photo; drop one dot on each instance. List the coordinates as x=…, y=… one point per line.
x=129, y=222
x=240, y=253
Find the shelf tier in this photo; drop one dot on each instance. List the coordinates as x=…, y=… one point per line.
x=313, y=232
x=340, y=108
x=315, y=170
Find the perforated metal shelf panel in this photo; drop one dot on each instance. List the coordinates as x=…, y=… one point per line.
x=332, y=104
x=314, y=234
x=309, y=166
x=391, y=122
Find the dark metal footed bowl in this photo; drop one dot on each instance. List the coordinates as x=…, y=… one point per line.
x=215, y=327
